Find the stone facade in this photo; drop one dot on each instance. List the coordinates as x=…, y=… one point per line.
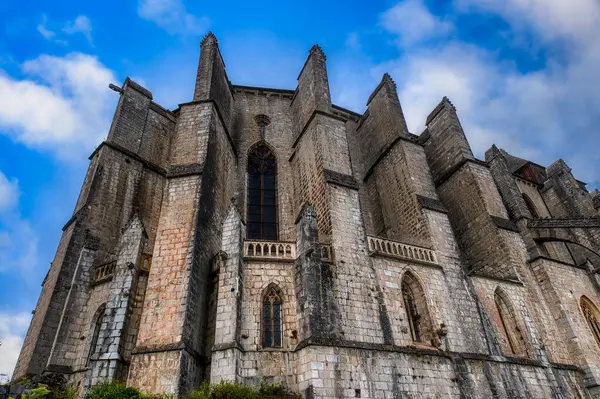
x=402, y=266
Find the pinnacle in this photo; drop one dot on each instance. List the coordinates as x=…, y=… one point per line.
x=317, y=49
x=209, y=39
x=447, y=101
x=388, y=79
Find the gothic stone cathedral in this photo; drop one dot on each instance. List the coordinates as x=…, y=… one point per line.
x=257, y=233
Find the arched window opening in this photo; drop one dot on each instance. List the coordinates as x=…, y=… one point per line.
x=509, y=327
x=592, y=316
x=530, y=206
x=262, y=198
x=272, y=318
x=97, y=323
x=417, y=314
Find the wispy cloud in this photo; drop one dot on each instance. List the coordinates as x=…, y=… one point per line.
x=172, y=16
x=13, y=327
x=47, y=33
x=63, y=106
x=542, y=113
x=81, y=24
x=412, y=22
x=18, y=241
x=9, y=193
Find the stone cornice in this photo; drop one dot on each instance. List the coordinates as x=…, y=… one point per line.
x=558, y=223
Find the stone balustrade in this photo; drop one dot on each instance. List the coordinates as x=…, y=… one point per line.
x=399, y=250
x=104, y=272
x=270, y=250
x=281, y=250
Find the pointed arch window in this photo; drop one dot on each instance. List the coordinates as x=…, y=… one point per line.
x=592, y=317
x=509, y=326
x=262, y=194
x=530, y=206
x=272, y=318
x=96, y=331
x=416, y=309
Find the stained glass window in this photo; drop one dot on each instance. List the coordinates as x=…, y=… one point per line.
x=272, y=322
x=262, y=194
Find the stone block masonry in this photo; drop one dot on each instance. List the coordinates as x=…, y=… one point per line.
x=349, y=259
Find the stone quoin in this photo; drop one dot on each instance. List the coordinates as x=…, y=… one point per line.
x=267, y=234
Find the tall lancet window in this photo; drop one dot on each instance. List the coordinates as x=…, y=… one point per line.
x=262, y=194
x=272, y=319
x=96, y=331
x=592, y=316
x=416, y=309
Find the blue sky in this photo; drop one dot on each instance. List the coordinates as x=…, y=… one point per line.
x=522, y=74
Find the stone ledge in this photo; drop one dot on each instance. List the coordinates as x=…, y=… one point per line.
x=557, y=223
x=177, y=346
x=340, y=179
x=431, y=204
x=228, y=345
x=496, y=278
x=184, y=170
x=505, y=224
x=423, y=351
x=152, y=166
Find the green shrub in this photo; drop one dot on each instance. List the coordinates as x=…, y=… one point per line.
x=234, y=390
x=37, y=393
x=114, y=390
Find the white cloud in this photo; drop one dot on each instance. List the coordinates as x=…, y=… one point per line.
x=172, y=16
x=540, y=114
x=9, y=193
x=18, y=241
x=81, y=24
x=13, y=327
x=574, y=20
x=64, y=105
x=413, y=23
x=48, y=34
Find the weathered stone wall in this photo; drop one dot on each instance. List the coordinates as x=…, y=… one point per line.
x=169, y=189
x=279, y=137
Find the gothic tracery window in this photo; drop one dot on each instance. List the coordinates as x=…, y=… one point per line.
x=509, y=326
x=272, y=318
x=592, y=316
x=416, y=309
x=262, y=198
x=96, y=331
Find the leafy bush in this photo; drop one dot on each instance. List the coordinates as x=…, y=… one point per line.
x=114, y=390
x=234, y=390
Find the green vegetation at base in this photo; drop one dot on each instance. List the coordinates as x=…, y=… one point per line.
x=117, y=390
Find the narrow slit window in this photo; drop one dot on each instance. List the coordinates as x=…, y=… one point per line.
x=262, y=194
